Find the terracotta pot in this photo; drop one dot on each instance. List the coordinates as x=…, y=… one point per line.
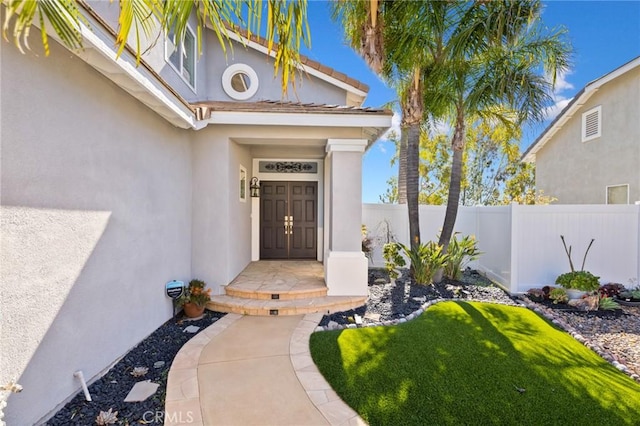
x=192, y=310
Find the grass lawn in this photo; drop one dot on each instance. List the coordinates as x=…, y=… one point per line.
x=468, y=363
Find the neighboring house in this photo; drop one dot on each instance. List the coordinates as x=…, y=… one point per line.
x=590, y=154
x=117, y=179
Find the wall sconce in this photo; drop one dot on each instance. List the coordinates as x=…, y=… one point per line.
x=254, y=187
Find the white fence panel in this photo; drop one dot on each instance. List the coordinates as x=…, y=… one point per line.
x=538, y=254
x=385, y=222
x=494, y=240
x=521, y=244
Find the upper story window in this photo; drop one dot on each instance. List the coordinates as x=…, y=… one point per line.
x=592, y=124
x=182, y=56
x=618, y=194
x=240, y=81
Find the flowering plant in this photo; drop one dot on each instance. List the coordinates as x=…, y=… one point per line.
x=195, y=293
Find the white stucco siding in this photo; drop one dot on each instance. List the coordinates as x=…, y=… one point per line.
x=211, y=182
x=96, y=218
x=239, y=229
x=577, y=172
x=311, y=89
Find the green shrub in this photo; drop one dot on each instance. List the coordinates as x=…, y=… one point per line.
x=559, y=295
x=607, y=304
x=459, y=254
x=426, y=260
x=579, y=280
x=393, y=259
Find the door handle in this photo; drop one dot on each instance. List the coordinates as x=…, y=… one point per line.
x=288, y=225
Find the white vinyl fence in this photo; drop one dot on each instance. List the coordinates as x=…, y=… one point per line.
x=521, y=244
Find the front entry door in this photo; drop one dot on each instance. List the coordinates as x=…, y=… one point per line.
x=288, y=220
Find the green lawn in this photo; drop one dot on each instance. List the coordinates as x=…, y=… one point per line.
x=467, y=364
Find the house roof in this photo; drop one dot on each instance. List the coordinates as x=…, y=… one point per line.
x=574, y=106
x=205, y=109
x=373, y=121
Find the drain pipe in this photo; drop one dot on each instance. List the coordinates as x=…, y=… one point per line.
x=85, y=389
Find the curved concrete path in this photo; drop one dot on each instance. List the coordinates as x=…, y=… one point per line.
x=252, y=370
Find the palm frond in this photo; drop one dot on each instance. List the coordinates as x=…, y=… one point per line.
x=63, y=16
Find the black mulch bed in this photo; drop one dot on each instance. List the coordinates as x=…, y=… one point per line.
x=110, y=390
x=394, y=301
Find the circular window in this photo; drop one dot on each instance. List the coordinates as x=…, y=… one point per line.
x=240, y=81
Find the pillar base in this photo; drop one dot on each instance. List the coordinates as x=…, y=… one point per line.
x=346, y=273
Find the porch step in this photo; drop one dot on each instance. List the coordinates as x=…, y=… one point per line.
x=275, y=292
x=247, y=306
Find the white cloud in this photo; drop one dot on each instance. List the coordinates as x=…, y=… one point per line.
x=559, y=101
x=395, y=127
x=441, y=128
x=382, y=148
x=561, y=82
x=559, y=104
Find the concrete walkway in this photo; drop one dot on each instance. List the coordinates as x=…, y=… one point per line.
x=253, y=370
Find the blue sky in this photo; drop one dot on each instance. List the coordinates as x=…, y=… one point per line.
x=604, y=34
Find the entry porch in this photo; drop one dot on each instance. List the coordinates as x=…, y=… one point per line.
x=281, y=287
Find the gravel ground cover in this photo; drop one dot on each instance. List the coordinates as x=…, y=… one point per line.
x=111, y=389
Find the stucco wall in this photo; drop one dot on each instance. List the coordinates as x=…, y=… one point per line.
x=239, y=229
x=577, y=172
x=211, y=179
x=96, y=218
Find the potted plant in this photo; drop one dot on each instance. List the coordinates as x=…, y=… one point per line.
x=630, y=297
x=194, y=299
x=577, y=283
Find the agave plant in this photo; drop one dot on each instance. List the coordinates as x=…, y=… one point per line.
x=139, y=371
x=107, y=417
x=607, y=304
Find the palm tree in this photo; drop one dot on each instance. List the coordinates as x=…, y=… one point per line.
x=286, y=24
x=492, y=72
x=401, y=42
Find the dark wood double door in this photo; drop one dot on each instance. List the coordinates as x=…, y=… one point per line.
x=288, y=220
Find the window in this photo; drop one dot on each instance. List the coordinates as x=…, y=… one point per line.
x=243, y=184
x=591, y=124
x=182, y=56
x=240, y=82
x=618, y=194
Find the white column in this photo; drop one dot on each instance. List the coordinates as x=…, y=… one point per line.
x=345, y=263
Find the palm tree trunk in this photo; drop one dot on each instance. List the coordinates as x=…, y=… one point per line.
x=413, y=161
x=453, y=199
x=402, y=167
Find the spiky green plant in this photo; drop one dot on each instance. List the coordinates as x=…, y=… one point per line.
x=607, y=304
x=460, y=253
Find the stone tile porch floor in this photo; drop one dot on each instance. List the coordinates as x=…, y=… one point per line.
x=297, y=278
x=255, y=370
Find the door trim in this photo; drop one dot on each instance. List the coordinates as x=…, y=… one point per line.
x=255, y=202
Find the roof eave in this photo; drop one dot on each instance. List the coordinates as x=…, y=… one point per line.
x=373, y=124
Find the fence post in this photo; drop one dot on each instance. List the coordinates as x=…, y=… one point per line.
x=513, y=261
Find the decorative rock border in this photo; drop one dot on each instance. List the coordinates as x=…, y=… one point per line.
x=521, y=301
